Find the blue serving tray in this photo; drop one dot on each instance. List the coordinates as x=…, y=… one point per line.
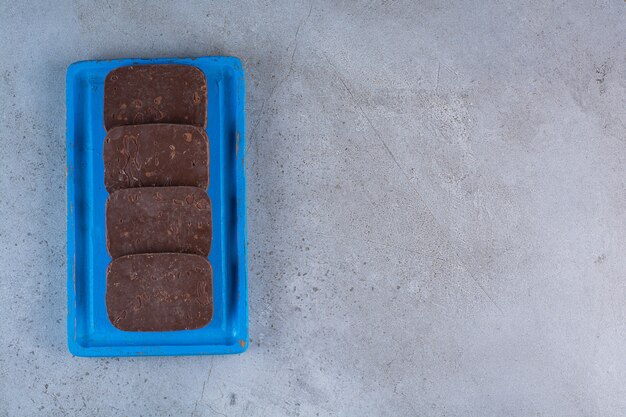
x=89, y=331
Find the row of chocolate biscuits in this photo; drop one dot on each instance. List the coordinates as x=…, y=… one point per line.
x=158, y=214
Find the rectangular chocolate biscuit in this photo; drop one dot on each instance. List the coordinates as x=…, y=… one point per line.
x=158, y=220
x=159, y=292
x=156, y=155
x=141, y=94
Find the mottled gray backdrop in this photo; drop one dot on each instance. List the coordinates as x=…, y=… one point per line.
x=437, y=208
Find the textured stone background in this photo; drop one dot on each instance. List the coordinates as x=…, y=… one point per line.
x=437, y=208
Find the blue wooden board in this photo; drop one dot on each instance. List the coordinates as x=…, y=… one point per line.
x=89, y=330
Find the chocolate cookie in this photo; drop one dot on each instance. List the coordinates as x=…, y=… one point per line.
x=159, y=292
x=156, y=155
x=158, y=220
x=142, y=94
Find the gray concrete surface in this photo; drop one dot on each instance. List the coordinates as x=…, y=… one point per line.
x=437, y=208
